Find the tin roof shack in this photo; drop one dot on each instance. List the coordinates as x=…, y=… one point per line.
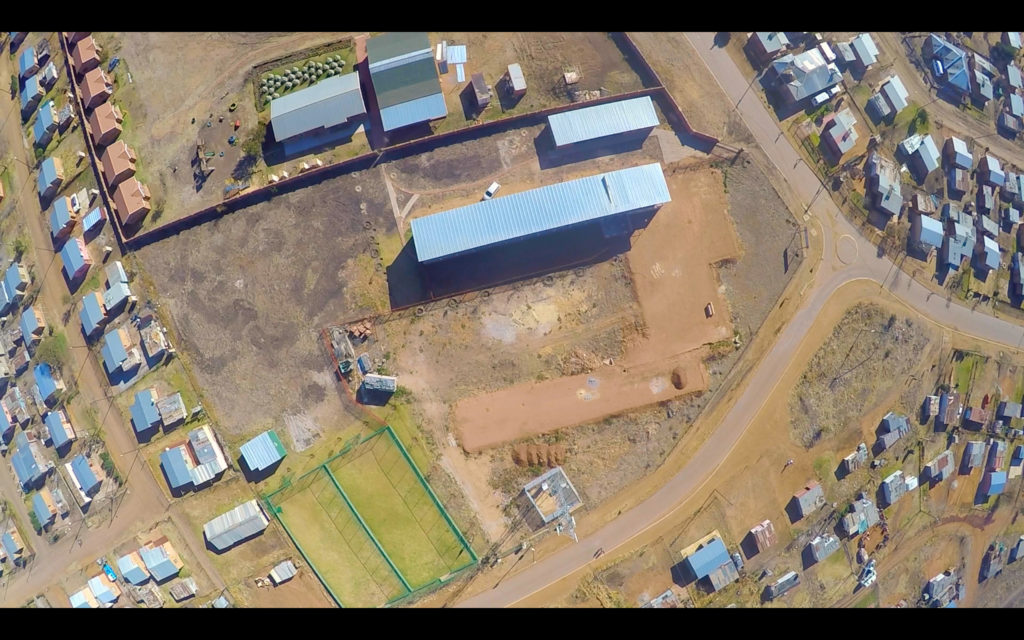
x=940, y=468
x=893, y=427
x=172, y=410
x=133, y=568
x=162, y=561
x=893, y=488
x=765, y=46
x=283, y=572
x=974, y=456
x=1008, y=410
x=183, y=589
x=51, y=177
x=481, y=92
x=990, y=172
x=83, y=599
x=808, y=500
x=239, y=524
x=940, y=590
x=949, y=409
x=377, y=389
x=996, y=455
x=551, y=496
x=822, y=547
x=992, y=562
x=976, y=417
x=992, y=484
x=262, y=454
x=709, y=564
x=48, y=383
x=513, y=81
x=863, y=514
x=154, y=339
x=782, y=586
x=855, y=460
x=763, y=535
x=883, y=184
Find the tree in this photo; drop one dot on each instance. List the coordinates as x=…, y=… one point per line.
x=253, y=145
x=53, y=350
x=35, y=521
x=20, y=246
x=14, y=86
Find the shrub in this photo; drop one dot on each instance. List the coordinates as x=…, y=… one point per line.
x=53, y=350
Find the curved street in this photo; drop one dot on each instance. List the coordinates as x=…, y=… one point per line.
x=830, y=274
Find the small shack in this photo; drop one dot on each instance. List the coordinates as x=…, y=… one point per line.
x=782, y=586
x=283, y=572
x=481, y=93
x=809, y=499
x=710, y=565
x=514, y=81
x=763, y=535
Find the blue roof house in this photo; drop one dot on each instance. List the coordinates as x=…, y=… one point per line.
x=60, y=429
x=32, y=325
x=28, y=64
x=93, y=220
x=133, y=568
x=263, y=451
x=76, y=259
x=1016, y=105
x=602, y=121
x=994, y=483
x=143, y=410
x=990, y=172
x=179, y=475
x=62, y=218
x=11, y=546
x=865, y=50
x=26, y=465
x=47, y=384
x=45, y=124
x=954, y=67
x=115, y=296
x=16, y=280
x=93, y=314
x=116, y=345
x=102, y=591
x=959, y=155
x=51, y=176
x=929, y=232
x=895, y=423
x=31, y=94
x=84, y=474
x=712, y=564
x=958, y=245
x=988, y=254
x=159, y=563
x=1013, y=77
x=42, y=511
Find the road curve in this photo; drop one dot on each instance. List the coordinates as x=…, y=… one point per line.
x=830, y=274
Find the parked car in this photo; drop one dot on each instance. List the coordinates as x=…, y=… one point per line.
x=491, y=190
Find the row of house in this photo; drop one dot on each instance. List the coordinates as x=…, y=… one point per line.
x=99, y=308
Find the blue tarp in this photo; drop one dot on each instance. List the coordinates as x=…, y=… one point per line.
x=44, y=381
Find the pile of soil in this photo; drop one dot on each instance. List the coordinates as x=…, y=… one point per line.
x=531, y=455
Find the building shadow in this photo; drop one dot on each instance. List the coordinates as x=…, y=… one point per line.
x=878, y=220
x=917, y=251
x=373, y=397
x=682, y=576
x=145, y=436
x=793, y=510
x=73, y=284
x=260, y=475
x=748, y=545
x=807, y=557
x=275, y=153
x=549, y=156
x=506, y=99
x=221, y=552
x=467, y=98
x=411, y=283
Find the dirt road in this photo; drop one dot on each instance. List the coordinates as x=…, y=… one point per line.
x=142, y=502
x=862, y=263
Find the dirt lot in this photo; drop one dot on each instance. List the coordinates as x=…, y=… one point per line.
x=544, y=57
x=843, y=377
x=179, y=76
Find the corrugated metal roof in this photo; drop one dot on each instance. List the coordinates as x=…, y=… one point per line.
x=896, y=93
x=203, y=445
x=602, y=120
x=991, y=252
x=527, y=212
x=10, y=546
x=143, y=410
x=159, y=564
x=236, y=525
x=15, y=279
x=60, y=215
x=388, y=46
x=929, y=154
x=173, y=463
x=262, y=451
x=283, y=572
x=46, y=122
x=220, y=603
x=327, y=103
x=457, y=54
x=116, y=273
x=44, y=380
x=515, y=74
x=93, y=219
x=27, y=60
x=931, y=232
x=55, y=426
x=79, y=600
x=1014, y=38
x=1016, y=105
x=422, y=109
x=171, y=409
x=113, y=351
x=47, y=175
x=92, y=312
x=460, y=73
x=984, y=84
x=41, y=510
x=879, y=105
x=101, y=591
x=116, y=295
x=865, y=49
x=376, y=382
x=772, y=41
x=74, y=257
x=131, y=570
x=28, y=323
x=83, y=472
x=707, y=559
x=25, y=465
x=32, y=91
x=406, y=82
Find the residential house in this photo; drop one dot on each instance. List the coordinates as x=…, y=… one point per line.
x=262, y=452
x=28, y=461
x=1010, y=187
x=143, y=411
x=940, y=590
x=133, y=568
x=43, y=51
x=119, y=352
x=171, y=410
x=840, y=132
x=195, y=462
x=162, y=561
x=183, y=589
x=958, y=245
x=132, y=201
x=890, y=100
x=928, y=233
x=996, y=455
x=85, y=56
x=74, y=36
x=16, y=281
x=990, y=173
x=1011, y=215
x=76, y=258
x=864, y=50
x=93, y=314
x=986, y=226
x=710, y=565
x=1012, y=38
x=1008, y=410
x=95, y=88
x=83, y=599
x=48, y=76
x=104, y=590
x=940, y=468
x=1009, y=123
x=987, y=254
x=13, y=545
x=117, y=292
x=993, y=483
x=87, y=477
x=1016, y=105
x=117, y=163
x=105, y=124
x=48, y=382
x=922, y=155
x=14, y=403
x=784, y=584
x=884, y=184
x=63, y=218
x=861, y=516
x=43, y=508
x=845, y=51
x=957, y=154
x=60, y=429
x=28, y=63
x=803, y=76
x=986, y=200
x=51, y=176
x=809, y=499
x=45, y=124
x=1013, y=77
x=31, y=94
x=822, y=547
x=924, y=204
x=893, y=427
x=982, y=88
x=763, y=535
x=974, y=456
x=32, y=325
x=976, y=417
x=951, y=68
x=1016, y=462
x=236, y=525
x=959, y=181
x=893, y=487
x=154, y=341
x=765, y=46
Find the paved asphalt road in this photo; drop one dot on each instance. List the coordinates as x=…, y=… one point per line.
x=831, y=273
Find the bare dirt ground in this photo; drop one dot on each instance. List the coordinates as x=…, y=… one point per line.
x=179, y=76
x=544, y=57
x=684, y=239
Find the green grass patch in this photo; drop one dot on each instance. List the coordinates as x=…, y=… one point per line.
x=870, y=600
x=815, y=139
x=398, y=413
x=823, y=468
x=93, y=282
x=906, y=116
x=857, y=198
x=964, y=371
x=920, y=123
x=7, y=180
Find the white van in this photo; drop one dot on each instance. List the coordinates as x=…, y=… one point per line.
x=491, y=190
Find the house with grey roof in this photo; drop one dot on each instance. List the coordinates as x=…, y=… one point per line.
x=782, y=586
x=884, y=184
x=986, y=254
x=893, y=487
x=928, y=233
x=957, y=154
x=958, y=245
x=238, y=524
x=974, y=456
x=983, y=90
x=990, y=172
x=822, y=547
x=864, y=50
x=986, y=225
x=809, y=499
x=922, y=155
x=317, y=110
x=861, y=516
x=855, y=460
x=890, y=99
x=840, y=132
x=800, y=77
x=939, y=468
x=1009, y=124
x=1013, y=78
x=1008, y=410
x=765, y=46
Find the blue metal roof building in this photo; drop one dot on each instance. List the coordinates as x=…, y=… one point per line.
x=5, y=422
x=954, y=63
x=712, y=561
x=48, y=176
x=55, y=426
x=60, y=216
x=958, y=246
x=29, y=323
x=518, y=215
x=864, y=48
x=116, y=295
x=10, y=546
x=1016, y=105
x=15, y=280
x=160, y=566
x=262, y=451
x=42, y=511
x=1013, y=76
x=27, y=62
x=404, y=79
x=101, y=591
x=93, y=220
x=92, y=313
x=173, y=463
x=961, y=155
x=45, y=124
x=422, y=109
x=83, y=472
x=144, y=413
x=79, y=600
x=991, y=253
x=30, y=93
x=895, y=93
x=930, y=232
x=45, y=383
x=76, y=262
x=995, y=482
x=24, y=462
x=131, y=569
x=328, y=103
x=114, y=352
x=602, y=120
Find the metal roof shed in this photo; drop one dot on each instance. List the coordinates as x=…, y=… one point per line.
x=326, y=104
x=232, y=527
x=83, y=472
x=561, y=205
x=516, y=79
x=283, y=572
x=172, y=461
x=263, y=451
x=143, y=410
x=159, y=564
x=896, y=93
x=430, y=107
x=962, y=157
x=864, y=48
x=931, y=232
x=602, y=120
x=133, y=568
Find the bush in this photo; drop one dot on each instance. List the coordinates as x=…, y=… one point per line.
x=253, y=145
x=20, y=246
x=35, y=521
x=14, y=85
x=53, y=350
x=108, y=463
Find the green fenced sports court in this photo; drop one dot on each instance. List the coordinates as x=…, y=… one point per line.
x=370, y=526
